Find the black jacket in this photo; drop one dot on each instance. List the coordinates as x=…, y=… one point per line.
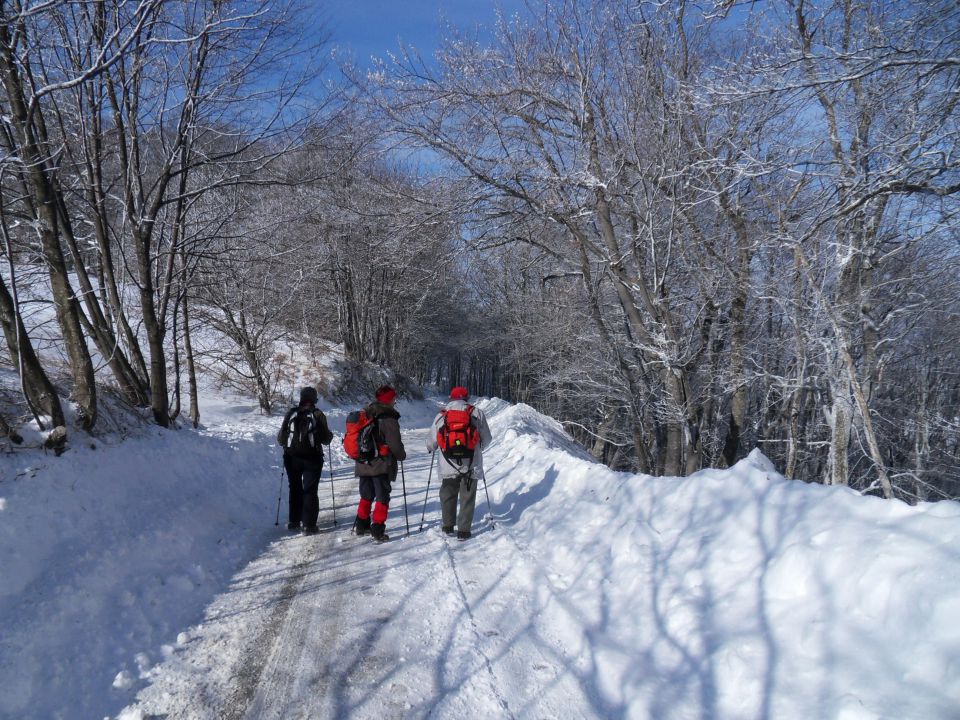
x=321, y=433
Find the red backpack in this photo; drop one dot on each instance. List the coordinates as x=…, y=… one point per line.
x=457, y=437
x=362, y=440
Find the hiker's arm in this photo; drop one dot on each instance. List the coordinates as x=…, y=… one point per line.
x=326, y=436
x=282, y=433
x=391, y=436
x=432, y=436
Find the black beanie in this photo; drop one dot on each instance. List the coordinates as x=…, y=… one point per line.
x=308, y=394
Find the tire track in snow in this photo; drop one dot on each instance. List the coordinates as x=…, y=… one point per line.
x=259, y=652
x=292, y=683
x=216, y=674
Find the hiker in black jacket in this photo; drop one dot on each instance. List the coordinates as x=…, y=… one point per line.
x=302, y=436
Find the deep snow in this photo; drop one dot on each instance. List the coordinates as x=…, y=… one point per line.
x=149, y=575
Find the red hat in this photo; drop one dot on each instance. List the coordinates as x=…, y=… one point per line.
x=459, y=393
x=386, y=394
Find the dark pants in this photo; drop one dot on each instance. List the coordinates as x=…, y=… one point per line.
x=304, y=479
x=375, y=487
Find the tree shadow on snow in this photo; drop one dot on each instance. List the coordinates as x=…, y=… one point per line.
x=515, y=503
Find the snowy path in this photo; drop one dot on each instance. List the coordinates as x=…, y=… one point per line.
x=335, y=626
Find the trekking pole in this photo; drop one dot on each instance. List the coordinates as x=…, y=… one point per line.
x=279, y=495
x=403, y=479
x=489, y=509
x=427, y=496
x=333, y=497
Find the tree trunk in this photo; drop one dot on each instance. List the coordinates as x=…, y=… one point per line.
x=175, y=405
x=191, y=366
x=868, y=430
x=153, y=326
x=738, y=341
x=99, y=329
x=838, y=419
x=38, y=391
x=67, y=310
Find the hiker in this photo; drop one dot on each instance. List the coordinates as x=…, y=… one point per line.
x=377, y=474
x=302, y=435
x=461, y=432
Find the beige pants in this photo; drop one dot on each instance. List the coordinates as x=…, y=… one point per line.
x=464, y=489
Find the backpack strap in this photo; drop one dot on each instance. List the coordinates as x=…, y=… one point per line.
x=293, y=426
x=475, y=426
x=283, y=437
x=312, y=432
x=290, y=425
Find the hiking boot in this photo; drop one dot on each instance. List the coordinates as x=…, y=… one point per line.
x=310, y=529
x=361, y=527
x=381, y=538
x=293, y=526
x=447, y=529
x=377, y=530
x=463, y=535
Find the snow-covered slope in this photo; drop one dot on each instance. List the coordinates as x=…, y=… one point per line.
x=587, y=593
x=736, y=593
x=106, y=553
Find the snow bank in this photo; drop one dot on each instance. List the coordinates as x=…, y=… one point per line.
x=733, y=593
x=105, y=554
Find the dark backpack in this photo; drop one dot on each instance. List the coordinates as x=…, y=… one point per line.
x=362, y=440
x=301, y=428
x=457, y=437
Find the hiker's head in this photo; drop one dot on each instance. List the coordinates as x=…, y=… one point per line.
x=386, y=395
x=459, y=393
x=308, y=395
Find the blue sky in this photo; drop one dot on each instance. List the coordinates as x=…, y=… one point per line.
x=372, y=27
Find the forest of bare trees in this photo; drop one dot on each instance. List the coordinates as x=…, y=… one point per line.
x=686, y=230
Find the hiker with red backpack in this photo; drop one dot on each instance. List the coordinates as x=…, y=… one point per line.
x=460, y=431
x=302, y=435
x=373, y=441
